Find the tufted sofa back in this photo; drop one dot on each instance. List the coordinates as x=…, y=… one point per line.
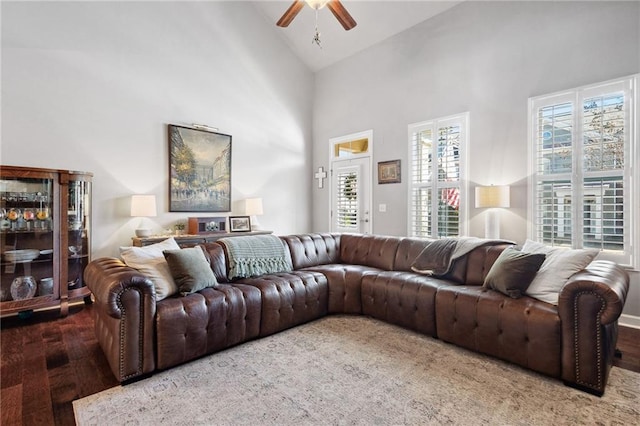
x=369, y=250
x=313, y=249
x=386, y=253
x=214, y=253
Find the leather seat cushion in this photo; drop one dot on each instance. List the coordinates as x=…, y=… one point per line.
x=290, y=298
x=406, y=299
x=345, y=282
x=205, y=322
x=523, y=331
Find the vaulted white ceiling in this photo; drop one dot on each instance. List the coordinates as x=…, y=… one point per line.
x=377, y=20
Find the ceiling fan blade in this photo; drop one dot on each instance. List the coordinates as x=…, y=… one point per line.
x=291, y=13
x=341, y=14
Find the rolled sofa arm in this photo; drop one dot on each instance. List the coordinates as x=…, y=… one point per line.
x=124, y=313
x=589, y=306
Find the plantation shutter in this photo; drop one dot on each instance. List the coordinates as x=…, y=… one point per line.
x=581, y=143
x=347, y=200
x=554, y=159
x=449, y=180
x=436, y=149
x=421, y=166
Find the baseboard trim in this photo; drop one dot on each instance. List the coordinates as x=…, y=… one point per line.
x=629, y=321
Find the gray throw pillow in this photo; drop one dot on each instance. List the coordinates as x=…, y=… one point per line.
x=190, y=269
x=513, y=271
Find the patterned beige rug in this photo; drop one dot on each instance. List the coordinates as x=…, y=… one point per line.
x=356, y=370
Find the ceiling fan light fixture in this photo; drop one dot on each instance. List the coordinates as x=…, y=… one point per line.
x=317, y=4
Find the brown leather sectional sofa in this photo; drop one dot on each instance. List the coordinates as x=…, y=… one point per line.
x=364, y=275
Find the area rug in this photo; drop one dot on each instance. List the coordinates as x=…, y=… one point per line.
x=356, y=370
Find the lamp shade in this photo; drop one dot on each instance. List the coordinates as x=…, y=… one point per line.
x=493, y=196
x=253, y=206
x=143, y=206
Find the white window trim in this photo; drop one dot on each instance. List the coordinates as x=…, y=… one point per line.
x=463, y=211
x=631, y=257
x=365, y=134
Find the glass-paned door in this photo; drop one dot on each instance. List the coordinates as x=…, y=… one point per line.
x=350, y=192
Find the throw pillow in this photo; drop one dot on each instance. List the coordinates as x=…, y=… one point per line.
x=558, y=267
x=150, y=261
x=513, y=271
x=190, y=269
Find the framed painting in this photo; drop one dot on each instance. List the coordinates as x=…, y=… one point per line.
x=239, y=224
x=199, y=170
x=389, y=171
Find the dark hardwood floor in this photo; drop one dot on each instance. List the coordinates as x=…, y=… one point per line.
x=47, y=362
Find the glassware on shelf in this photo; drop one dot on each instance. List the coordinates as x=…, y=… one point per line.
x=4, y=223
x=75, y=250
x=29, y=216
x=14, y=215
x=45, y=287
x=43, y=218
x=23, y=288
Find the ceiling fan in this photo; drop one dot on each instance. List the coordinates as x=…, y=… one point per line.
x=334, y=6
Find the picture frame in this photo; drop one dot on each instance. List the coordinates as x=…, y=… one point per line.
x=239, y=224
x=199, y=170
x=389, y=172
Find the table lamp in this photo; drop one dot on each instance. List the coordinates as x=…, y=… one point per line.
x=143, y=206
x=492, y=198
x=253, y=208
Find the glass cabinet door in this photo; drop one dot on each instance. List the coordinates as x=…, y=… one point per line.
x=78, y=238
x=27, y=238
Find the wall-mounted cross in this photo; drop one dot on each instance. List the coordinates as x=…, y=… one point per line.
x=321, y=175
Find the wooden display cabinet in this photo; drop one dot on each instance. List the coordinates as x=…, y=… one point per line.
x=45, y=230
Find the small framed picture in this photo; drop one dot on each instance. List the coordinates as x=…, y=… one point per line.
x=389, y=171
x=239, y=224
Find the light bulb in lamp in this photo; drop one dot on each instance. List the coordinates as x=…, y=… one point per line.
x=492, y=198
x=143, y=206
x=253, y=208
x=317, y=4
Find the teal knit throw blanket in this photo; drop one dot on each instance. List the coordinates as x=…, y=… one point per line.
x=254, y=255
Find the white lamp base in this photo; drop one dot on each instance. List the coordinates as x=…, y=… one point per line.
x=143, y=233
x=492, y=224
x=255, y=225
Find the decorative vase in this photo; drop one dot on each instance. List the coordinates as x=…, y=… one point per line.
x=23, y=288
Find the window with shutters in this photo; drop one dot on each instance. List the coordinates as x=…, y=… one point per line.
x=437, y=204
x=347, y=200
x=583, y=148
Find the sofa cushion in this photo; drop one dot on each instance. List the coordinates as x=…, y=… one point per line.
x=190, y=269
x=559, y=265
x=150, y=261
x=345, y=282
x=205, y=322
x=513, y=271
x=313, y=249
x=408, y=250
x=289, y=298
x=214, y=253
x=523, y=331
x=369, y=250
x=402, y=298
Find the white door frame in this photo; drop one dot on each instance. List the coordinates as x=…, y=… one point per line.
x=367, y=134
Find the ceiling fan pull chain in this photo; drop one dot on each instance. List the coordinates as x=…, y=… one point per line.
x=316, y=37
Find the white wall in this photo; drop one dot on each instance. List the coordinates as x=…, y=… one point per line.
x=92, y=85
x=487, y=58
